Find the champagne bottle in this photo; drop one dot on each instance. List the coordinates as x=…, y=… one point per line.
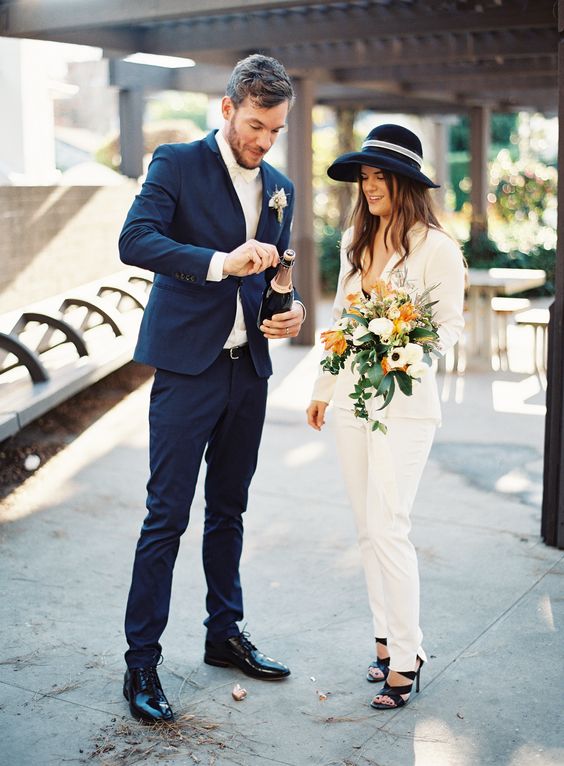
x=278, y=296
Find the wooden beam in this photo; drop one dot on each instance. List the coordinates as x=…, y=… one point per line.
x=126, y=75
x=419, y=51
x=197, y=79
x=271, y=23
x=300, y=152
x=552, y=523
x=29, y=18
x=544, y=66
x=328, y=23
x=120, y=40
x=479, y=145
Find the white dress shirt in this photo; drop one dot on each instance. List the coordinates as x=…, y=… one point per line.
x=248, y=185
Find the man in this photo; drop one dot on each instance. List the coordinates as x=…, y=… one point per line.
x=208, y=224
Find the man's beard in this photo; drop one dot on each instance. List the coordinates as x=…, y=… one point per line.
x=232, y=140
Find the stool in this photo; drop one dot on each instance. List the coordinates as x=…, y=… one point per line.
x=502, y=309
x=537, y=319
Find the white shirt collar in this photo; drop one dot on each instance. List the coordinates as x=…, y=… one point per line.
x=235, y=170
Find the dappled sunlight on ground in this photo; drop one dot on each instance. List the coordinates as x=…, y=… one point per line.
x=437, y=744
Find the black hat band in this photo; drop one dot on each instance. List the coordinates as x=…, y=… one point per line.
x=374, y=143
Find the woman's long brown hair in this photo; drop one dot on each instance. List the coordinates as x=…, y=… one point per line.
x=411, y=204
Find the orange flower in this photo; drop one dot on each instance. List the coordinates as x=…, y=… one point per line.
x=380, y=288
x=385, y=365
x=354, y=297
x=334, y=340
x=400, y=326
x=408, y=312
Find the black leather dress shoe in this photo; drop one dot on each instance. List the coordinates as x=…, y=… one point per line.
x=147, y=702
x=238, y=652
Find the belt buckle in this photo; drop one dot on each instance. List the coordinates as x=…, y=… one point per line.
x=231, y=350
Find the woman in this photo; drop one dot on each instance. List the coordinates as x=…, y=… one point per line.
x=396, y=237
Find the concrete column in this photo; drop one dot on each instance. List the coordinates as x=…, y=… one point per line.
x=131, y=107
x=441, y=161
x=300, y=166
x=479, y=144
x=27, y=135
x=552, y=525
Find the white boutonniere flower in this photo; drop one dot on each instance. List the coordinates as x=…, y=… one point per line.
x=278, y=201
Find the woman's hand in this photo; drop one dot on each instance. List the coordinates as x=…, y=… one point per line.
x=316, y=414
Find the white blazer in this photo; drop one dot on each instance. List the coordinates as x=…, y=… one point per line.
x=434, y=259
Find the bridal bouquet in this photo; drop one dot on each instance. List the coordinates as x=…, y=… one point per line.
x=390, y=335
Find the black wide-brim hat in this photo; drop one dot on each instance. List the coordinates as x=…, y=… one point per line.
x=387, y=147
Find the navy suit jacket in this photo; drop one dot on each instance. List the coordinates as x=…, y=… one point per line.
x=187, y=210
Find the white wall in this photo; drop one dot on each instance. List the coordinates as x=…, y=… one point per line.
x=27, y=147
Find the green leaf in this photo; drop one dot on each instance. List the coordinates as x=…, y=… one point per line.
x=420, y=333
x=404, y=382
x=390, y=388
x=375, y=375
x=361, y=320
x=385, y=384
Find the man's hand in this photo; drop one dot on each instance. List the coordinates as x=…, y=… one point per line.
x=316, y=414
x=285, y=325
x=251, y=257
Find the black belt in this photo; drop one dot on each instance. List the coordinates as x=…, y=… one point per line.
x=236, y=352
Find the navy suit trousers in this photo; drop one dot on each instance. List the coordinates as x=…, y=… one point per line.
x=219, y=412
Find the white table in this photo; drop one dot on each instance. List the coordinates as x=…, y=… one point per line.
x=485, y=284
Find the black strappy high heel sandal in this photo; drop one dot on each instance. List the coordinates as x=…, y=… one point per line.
x=395, y=692
x=382, y=665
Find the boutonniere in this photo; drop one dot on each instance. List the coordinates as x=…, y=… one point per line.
x=278, y=201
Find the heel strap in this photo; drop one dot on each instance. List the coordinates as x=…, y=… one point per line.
x=395, y=691
x=383, y=641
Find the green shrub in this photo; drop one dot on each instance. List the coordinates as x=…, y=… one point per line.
x=483, y=253
x=329, y=259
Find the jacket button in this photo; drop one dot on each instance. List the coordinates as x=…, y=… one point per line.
x=177, y=275
x=191, y=278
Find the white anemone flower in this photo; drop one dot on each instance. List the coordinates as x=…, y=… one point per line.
x=360, y=331
x=397, y=357
x=381, y=326
x=414, y=353
x=417, y=370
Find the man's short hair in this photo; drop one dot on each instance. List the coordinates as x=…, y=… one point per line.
x=263, y=80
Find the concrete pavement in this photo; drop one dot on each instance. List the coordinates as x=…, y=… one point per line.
x=492, y=605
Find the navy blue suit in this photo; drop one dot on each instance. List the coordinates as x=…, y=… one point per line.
x=202, y=401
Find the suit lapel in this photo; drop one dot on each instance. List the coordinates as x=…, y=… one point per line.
x=212, y=143
x=266, y=195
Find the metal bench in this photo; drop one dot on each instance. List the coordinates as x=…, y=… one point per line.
x=52, y=350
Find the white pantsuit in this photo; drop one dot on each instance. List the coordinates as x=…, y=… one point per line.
x=382, y=471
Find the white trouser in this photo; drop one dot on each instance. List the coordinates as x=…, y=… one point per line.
x=382, y=473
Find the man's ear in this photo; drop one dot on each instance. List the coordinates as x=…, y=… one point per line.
x=227, y=108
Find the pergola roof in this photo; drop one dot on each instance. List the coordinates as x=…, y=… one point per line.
x=411, y=55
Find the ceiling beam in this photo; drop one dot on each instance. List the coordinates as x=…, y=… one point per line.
x=29, y=18
x=540, y=66
x=199, y=79
x=342, y=23
x=417, y=51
